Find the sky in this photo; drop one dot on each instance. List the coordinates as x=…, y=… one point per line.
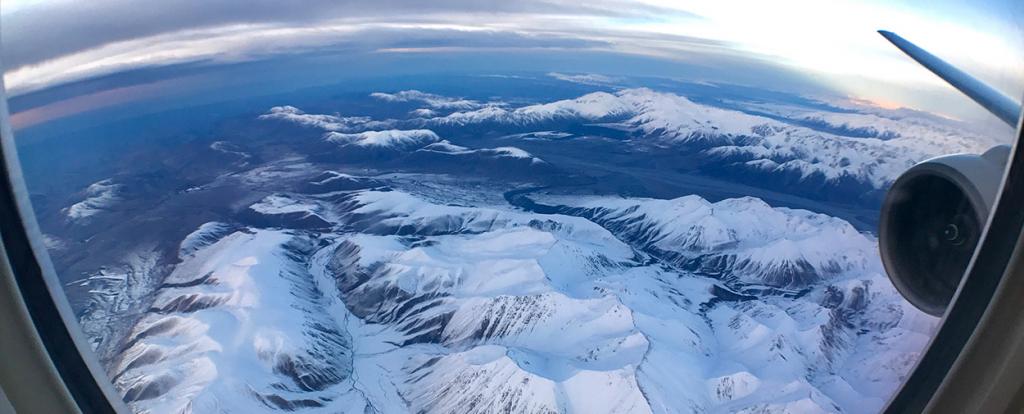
x=833, y=43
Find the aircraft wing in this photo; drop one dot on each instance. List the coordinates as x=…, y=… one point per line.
x=1000, y=105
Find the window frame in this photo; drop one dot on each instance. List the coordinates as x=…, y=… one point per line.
x=29, y=268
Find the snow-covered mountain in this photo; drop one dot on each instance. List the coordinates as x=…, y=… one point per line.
x=429, y=99
x=98, y=197
x=205, y=235
x=439, y=256
x=859, y=148
x=584, y=78
x=331, y=181
x=421, y=146
x=742, y=241
x=238, y=326
x=325, y=122
x=406, y=305
x=391, y=138
x=445, y=147
x=751, y=141
x=592, y=107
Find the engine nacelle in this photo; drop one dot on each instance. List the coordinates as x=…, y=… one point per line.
x=931, y=222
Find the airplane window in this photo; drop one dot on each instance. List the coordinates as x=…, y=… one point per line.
x=534, y=207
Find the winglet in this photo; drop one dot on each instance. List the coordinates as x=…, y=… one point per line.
x=1000, y=105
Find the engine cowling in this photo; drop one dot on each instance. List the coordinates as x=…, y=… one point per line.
x=931, y=221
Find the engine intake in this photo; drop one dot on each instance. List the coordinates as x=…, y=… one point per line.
x=931, y=221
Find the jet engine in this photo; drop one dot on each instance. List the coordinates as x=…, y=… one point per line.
x=931, y=221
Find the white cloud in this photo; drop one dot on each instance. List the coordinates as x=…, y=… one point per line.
x=833, y=42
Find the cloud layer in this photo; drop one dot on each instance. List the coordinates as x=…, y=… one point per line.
x=46, y=43
x=47, y=30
